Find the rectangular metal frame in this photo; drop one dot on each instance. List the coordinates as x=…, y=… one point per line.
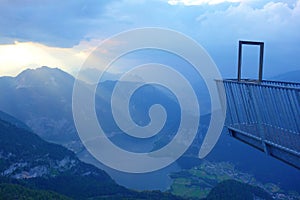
x=261, y=58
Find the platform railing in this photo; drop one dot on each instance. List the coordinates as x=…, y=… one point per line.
x=268, y=112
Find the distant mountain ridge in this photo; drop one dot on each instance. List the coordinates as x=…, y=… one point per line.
x=42, y=98
x=292, y=76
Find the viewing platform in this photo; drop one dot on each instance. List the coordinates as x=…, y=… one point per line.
x=264, y=114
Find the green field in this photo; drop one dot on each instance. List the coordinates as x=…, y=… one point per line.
x=197, y=182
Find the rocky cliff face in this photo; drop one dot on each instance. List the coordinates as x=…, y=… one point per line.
x=25, y=157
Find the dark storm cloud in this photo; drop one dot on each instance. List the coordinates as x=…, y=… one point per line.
x=52, y=22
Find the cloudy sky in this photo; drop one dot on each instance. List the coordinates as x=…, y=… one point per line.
x=62, y=34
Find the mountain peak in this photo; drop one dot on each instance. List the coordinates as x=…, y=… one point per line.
x=291, y=76
x=43, y=70
x=43, y=76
